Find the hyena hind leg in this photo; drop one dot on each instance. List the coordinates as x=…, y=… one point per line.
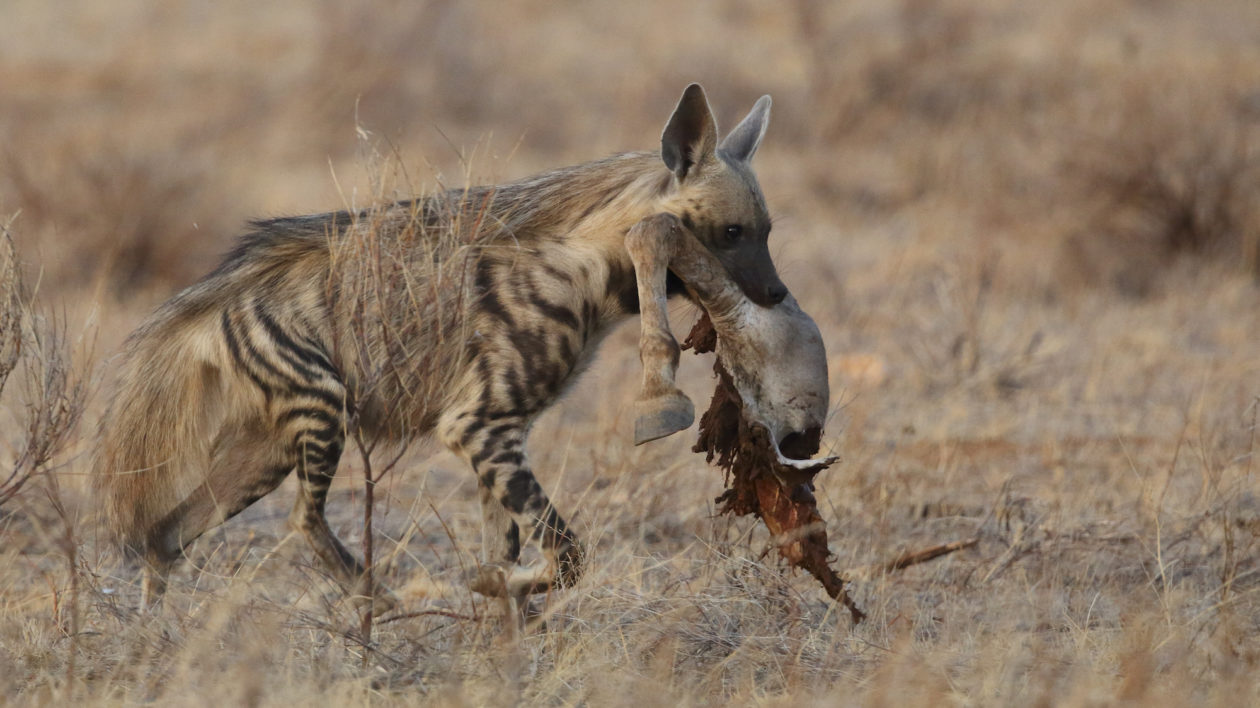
x=153, y=581
x=244, y=465
x=319, y=444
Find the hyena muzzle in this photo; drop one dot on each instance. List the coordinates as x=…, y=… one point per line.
x=461, y=316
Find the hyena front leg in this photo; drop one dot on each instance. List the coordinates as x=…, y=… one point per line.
x=500, y=555
x=513, y=502
x=500, y=536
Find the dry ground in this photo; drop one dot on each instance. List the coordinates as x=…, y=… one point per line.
x=1029, y=235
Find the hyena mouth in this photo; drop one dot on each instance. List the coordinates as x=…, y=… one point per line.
x=764, y=420
x=773, y=357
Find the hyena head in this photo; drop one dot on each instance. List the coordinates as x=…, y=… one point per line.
x=717, y=196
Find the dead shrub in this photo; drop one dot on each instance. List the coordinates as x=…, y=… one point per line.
x=53, y=395
x=136, y=220
x=369, y=56
x=1171, y=173
x=908, y=64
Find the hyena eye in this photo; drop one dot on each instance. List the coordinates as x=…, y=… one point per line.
x=732, y=234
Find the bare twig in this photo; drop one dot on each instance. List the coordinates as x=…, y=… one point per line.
x=10, y=307
x=430, y=613
x=52, y=401
x=55, y=394
x=923, y=555
x=392, y=276
x=1008, y=558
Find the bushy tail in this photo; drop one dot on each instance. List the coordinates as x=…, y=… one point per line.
x=154, y=440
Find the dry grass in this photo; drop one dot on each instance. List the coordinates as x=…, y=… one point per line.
x=1028, y=233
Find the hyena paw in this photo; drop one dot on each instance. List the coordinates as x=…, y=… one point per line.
x=502, y=580
x=383, y=600
x=569, y=561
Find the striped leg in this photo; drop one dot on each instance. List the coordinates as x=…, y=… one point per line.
x=319, y=439
x=306, y=399
x=318, y=446
x=500, y=554
x=500, y=536
x=512, y=501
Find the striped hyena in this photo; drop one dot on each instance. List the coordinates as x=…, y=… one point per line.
x=461, y=316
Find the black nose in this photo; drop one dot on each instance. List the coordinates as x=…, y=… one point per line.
x=776, y=293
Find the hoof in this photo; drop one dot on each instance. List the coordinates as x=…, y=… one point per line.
x=661, y=417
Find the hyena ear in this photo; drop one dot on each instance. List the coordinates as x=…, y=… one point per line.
x=742, y=142
x=690, y=137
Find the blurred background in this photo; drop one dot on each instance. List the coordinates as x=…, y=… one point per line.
x=1030, y=234
x=1087, y=140
x=963, y=190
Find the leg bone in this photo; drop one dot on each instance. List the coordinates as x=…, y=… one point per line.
x=661, y=409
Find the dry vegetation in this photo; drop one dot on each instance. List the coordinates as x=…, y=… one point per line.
x=1030, y=233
